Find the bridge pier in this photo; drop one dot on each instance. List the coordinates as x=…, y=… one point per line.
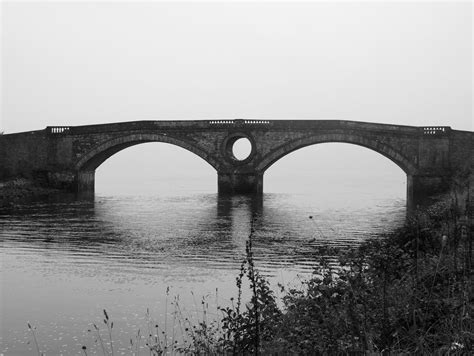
x=85, y=181
x=240, y=183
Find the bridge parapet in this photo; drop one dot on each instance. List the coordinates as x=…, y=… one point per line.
x=428, y=131
x=325, y=125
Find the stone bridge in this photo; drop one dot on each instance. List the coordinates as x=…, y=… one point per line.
x=68, y=156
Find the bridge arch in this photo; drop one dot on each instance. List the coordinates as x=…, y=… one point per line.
x=99, y=154
x=408, y=166
x=88, y=163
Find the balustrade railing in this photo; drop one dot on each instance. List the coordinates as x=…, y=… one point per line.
x=239, y=122
x=221, y=122
x=58, y=129
x=435, y=130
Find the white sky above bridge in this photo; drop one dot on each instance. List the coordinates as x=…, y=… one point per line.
x=68, y=63
x=73, y=63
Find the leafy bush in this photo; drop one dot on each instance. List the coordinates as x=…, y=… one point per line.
x=409, y=292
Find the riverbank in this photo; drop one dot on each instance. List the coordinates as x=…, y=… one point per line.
x=20, y=190
x=409, y=292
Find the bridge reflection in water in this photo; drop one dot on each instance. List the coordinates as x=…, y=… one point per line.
x=157, y=231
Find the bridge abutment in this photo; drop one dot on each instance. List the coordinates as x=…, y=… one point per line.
x=422, y=188
x=245, y=183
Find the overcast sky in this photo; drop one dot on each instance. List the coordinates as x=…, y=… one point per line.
x=66, y=63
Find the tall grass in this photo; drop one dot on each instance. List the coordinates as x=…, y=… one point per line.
x=32, y=330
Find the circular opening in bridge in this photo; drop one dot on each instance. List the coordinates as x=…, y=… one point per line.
x=242, y=148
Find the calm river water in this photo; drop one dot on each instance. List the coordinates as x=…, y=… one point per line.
x=65, y=260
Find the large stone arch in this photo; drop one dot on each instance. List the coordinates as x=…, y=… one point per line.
x=99, y=154
x=408, y=166
x=88, y=163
